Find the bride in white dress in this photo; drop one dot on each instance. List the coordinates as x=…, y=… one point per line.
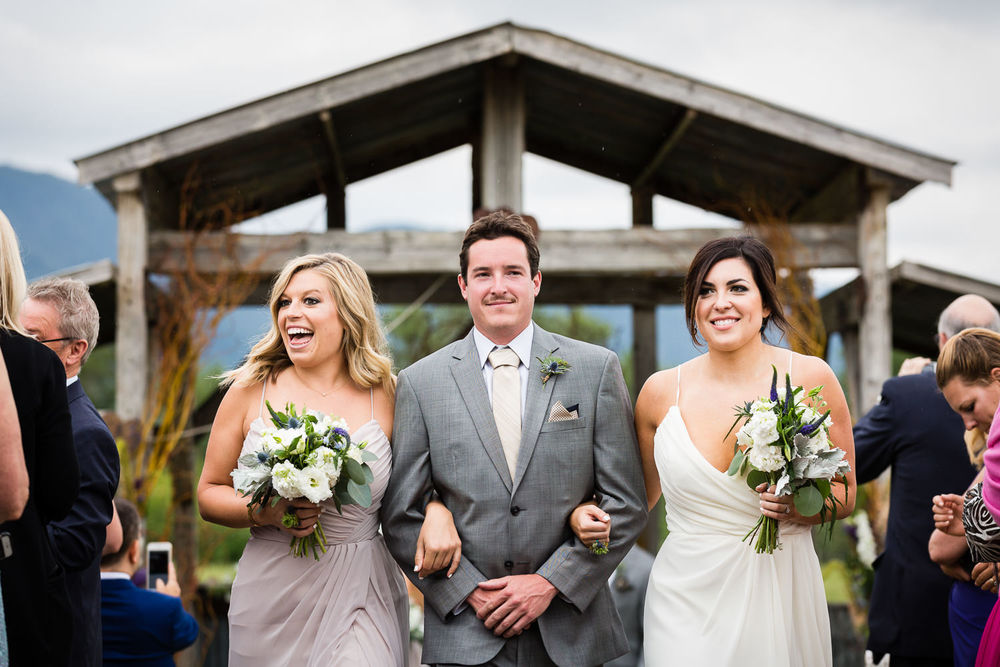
x=712, y=600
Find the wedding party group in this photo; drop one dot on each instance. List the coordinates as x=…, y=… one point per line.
x=507, y=474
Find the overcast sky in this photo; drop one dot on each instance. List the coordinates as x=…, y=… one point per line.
x=77, y=78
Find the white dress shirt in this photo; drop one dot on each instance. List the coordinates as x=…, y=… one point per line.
x=522, y=348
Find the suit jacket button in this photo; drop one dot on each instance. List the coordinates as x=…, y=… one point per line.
x=509, y=564
x=515, y=510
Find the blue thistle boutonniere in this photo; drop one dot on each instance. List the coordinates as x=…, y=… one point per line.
x=552, y=365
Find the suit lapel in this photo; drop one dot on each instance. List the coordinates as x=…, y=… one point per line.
x=468, y=374
x=537, y=399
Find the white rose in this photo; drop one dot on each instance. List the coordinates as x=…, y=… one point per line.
x=354, y=452
x=767, y=458
x=246, y=480
x=314, y=484
x=763, y=428
x=326, y=460
x=285, y=480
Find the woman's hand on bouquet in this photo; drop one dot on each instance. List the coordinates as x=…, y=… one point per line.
x=591, y=524
x=779, y=508
x=984, y=575
x=305, y=513
x=438, y=545
x=947, y=509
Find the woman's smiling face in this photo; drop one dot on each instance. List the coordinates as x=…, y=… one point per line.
x=730, y=310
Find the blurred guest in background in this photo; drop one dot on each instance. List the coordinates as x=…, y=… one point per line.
x=913, y=430
x=60, y=313
x=39, y=627
x=969, y=606
x=140, y=627
x=13, y=476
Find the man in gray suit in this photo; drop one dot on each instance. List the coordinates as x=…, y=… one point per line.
x=511, y=446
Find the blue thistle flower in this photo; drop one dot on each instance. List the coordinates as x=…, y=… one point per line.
x=294, y=422
x=262, y=457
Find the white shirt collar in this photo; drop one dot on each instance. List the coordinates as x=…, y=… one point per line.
x=521, y=345
x=114, y=575
x=71, y=380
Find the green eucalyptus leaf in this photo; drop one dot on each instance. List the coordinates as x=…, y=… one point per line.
x=369, y=475
x=361, y=494
x=368, y=457
x=354, y=471
x=808, y=500
x=824, y=487
x=734, y=466
x=757, y=477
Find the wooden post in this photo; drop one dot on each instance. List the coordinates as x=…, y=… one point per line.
x=502, y=143
x=875, y=336
x=131, y=344
x=642, y=206
x=336, y=179
x=849, y=336
x=643, y=345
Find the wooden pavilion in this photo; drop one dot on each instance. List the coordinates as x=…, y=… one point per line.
x=506, y=90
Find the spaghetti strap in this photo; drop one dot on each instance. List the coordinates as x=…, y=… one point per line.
x=260, y=412
x=371, y=397
x=677, y=398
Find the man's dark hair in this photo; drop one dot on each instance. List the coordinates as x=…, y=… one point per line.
x=497, y=225
x=131, y=528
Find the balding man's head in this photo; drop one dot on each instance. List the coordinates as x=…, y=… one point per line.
x=968, y=310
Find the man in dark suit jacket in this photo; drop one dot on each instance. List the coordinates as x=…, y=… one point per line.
x=60, y=313
x=913, y=430
x=35, y=600
x=140, y=626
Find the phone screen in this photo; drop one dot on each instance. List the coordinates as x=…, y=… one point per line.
x=158, y=560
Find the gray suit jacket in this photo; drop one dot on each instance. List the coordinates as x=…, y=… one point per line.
x=445, y=439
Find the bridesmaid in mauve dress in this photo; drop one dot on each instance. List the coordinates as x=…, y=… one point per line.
x=324, y=352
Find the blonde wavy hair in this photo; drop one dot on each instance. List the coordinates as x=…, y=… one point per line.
x=364, y=345
x=970, y=355
x=13, y=284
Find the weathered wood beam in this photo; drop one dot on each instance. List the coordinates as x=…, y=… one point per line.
x=875, y=335
x=131, y=349
x=271, y=111
x=674, y=136
x=635, y=251
x=837, y=201
x=741, y=109
x=502, y=143
x=336, y=198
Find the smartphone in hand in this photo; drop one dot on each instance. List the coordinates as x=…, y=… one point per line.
x=158, y=556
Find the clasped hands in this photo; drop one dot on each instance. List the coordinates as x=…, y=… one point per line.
x=509, y=605
x=947, y=509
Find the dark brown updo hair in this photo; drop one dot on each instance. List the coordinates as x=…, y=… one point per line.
x=761, y=262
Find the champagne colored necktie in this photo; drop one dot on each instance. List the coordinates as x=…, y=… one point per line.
x=507, y=402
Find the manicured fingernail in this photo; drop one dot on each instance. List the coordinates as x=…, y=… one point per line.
x=416, y=568
x=449, y=575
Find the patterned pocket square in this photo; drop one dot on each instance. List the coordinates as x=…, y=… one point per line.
x=560, y=413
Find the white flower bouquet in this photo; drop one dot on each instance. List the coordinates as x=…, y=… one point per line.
x=785, y=441
x=305, y=455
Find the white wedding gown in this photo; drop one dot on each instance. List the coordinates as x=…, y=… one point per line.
x=712, y=599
